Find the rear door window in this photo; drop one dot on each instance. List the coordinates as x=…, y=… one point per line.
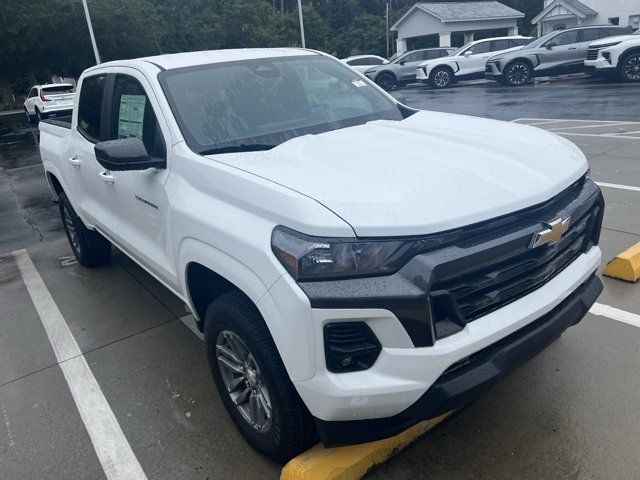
x=90, y=107
x=497, y=45
x=592, y=34
x=58, y=89
x=132, y=116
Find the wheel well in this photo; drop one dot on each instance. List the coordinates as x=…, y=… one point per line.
x=389, y=72
x=446, y=67
x=55, y=183
x=521, y=59
x=631, y=51
x=204, y=286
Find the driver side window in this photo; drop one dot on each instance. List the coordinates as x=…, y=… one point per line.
x=132, y=116
x=412, y=57
x=479, y=48
x=565, y=38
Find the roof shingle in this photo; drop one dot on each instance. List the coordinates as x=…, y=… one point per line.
x=452, y=12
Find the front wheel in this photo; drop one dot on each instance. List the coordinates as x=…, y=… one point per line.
x=252, y=381
x=90, y=248
x=517, y=74
x=386, y=81
x=630, y=68
x=441, y=78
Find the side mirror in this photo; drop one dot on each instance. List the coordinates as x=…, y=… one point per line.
x=401, y=62
x=125, y=154
x=550, y=45
x=468, y=53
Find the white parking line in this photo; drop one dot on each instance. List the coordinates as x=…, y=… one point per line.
x=615, y=314
x=598, y=135
x=111, y=446
x=615, y=185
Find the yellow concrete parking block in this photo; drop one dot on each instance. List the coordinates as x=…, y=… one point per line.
x=352, y=462
x=625, y=266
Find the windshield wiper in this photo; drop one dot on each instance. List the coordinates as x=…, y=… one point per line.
x=244, y=147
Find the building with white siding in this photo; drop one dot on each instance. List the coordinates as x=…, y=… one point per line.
x=445, y=18
x=561, y=14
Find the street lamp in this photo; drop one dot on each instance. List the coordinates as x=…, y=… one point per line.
x=93, y=38
x=301, y=22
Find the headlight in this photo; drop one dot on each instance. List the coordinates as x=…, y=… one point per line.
x=608, y=45
x=317, y=258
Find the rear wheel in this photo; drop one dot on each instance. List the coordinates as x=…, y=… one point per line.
x=441, y=78
x=30, y=118
x=630, y=68
x=386, y=80
x=90, y=248
x=517, y=74
x=252, y=381
x=39, y=116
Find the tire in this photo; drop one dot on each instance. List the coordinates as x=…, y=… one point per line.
x=441, y=77
x=233, y=322
x=517, y=74
x=39, y=116
x=630, y=68
x=89, y=247
x=30, y=118
x=386, y=81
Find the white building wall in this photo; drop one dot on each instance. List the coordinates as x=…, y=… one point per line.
x=628, y=11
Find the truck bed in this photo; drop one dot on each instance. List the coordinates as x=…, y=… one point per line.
x=63, y=121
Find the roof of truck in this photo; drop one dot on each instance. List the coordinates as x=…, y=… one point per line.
x=189, y=59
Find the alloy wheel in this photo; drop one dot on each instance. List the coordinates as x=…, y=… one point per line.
x=244, y=381
x=442, y=78
x=518, y=74
x=632, y=68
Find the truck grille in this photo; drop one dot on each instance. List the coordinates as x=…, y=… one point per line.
x=479, y=283
x=592, y=53
x=496, y=286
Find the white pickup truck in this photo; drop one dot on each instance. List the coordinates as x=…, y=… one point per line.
x=356, y=265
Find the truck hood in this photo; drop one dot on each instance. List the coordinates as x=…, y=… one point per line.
x=428, y=173
x=619, y=38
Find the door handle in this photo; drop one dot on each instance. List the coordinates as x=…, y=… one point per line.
x=75, y=161
x=573, y=48
x=106, y=177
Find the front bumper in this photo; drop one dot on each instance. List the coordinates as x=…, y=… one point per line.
x=600, y=66
x=473, y=375
x=492, y=71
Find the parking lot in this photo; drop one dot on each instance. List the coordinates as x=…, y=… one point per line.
x=569, y=413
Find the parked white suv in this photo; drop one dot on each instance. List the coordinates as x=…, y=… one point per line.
x=468, y=62
x=616, y=56
x=47, y=100
x=356, y=265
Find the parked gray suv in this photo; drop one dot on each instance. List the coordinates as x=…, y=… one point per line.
x=402, y=69
x=556, y=53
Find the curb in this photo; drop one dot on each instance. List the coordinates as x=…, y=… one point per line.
x=352, y=462
x=625, y=266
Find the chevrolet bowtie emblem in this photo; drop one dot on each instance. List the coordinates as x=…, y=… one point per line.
x=551, y=235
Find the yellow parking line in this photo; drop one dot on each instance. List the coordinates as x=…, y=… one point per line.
x=625, y=266
x=352, y=462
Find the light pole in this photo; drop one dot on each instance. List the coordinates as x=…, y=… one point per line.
x=93, y=38
x=301, y=22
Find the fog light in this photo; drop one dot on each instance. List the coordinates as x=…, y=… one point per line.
x=350, y=346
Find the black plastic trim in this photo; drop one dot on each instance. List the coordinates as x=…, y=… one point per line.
x=469, y=378
x=406, y=292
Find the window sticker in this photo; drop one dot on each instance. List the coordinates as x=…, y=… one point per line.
x=359, y=83
x=131, y=116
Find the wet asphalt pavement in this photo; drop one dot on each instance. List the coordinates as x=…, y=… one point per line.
x=573, y=412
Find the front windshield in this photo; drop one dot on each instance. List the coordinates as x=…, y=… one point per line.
x=265, y=102
x=459, y=51
x=540, y=41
